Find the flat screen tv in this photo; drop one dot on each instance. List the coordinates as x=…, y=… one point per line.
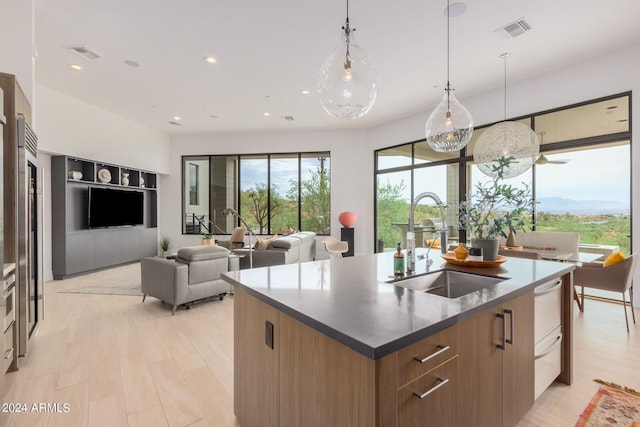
x=109, y=207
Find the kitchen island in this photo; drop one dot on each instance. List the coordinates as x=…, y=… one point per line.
x=333, y=343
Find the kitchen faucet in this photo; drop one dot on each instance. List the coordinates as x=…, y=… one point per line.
x=410, y=236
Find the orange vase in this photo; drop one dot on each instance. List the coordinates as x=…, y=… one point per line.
x=347, y=219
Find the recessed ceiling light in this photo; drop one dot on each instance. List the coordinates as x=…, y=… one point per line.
x=131, y=63
x=455, y=9
x=177, y=118
x=266, y=114
x=75, y=67
x=210, y=60
x=305, y=92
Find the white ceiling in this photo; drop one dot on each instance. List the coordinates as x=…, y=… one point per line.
x=269, y=51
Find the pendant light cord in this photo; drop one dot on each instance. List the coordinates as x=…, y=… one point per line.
x=448, y=35
x=504, y=56
x=448, y=60
x=347, y=33
x=505, y=87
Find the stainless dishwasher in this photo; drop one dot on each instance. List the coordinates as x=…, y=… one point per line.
x=548, y=334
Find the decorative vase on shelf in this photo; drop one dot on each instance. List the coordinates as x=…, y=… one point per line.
x=104, y=176
x=347, y=219
x=77, y=175
x=511, y=240
x=125, y=178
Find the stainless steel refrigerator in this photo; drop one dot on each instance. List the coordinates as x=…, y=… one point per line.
x=29, y=267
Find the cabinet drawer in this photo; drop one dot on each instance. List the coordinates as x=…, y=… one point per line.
x=425, y=355
x=7, y=356
x=548, y=300
x=548, y=361
x=438, y=404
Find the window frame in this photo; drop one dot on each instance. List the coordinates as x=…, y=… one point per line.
x=465, y=159
x=299, y=156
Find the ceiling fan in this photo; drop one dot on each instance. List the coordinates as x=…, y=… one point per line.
x=543, y=160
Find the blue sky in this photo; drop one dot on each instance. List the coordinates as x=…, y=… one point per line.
x=282, y=171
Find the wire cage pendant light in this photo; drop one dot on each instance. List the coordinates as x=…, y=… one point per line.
x=450, y=125
x=347, y=82
x=506, y=139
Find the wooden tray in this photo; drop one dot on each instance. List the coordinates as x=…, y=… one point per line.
x=451, y=258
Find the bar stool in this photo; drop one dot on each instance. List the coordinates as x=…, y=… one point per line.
x=335, y=247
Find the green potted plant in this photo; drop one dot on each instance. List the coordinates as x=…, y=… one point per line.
x=164, y=245
x=207, y=239
x=494, y=210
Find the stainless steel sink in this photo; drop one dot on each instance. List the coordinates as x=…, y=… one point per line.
x=448, y=283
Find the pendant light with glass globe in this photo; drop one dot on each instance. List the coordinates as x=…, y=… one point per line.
x=506, y=139
x=450, y=125
x=347, y=82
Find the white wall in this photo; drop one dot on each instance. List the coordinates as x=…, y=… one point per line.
x=351, y=174
x=72, y=127
x=16, y=43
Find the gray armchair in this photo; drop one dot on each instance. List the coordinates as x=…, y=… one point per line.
x=616, y=278
x=193, y=275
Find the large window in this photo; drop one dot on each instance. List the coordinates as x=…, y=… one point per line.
x=581, y=182
x=273, y=193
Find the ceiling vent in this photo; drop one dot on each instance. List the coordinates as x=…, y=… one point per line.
x=175, y=123
x=86, y=52
x=288, y=118
x=515, y=28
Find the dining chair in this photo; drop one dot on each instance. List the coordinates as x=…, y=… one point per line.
x=615, y=278
x=335, y=247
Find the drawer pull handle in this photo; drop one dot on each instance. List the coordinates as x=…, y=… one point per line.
x=552, y=347
x=542, y=290
x=502, y=346
x=510, y=313
x=441, y=383
x=432, y=355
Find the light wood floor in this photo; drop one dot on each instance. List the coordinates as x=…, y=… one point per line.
x=119, y=362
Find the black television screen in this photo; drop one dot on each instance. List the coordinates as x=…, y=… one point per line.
x=112, y=208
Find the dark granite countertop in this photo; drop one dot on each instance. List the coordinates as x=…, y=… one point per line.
x=349, y=300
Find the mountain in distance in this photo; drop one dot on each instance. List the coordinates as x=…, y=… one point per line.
x=559, y=205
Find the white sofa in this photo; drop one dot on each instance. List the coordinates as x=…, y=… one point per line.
x=297, y=247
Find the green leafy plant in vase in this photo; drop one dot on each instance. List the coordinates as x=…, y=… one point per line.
x=164, y=244
x=495, y=209
x=207, y=239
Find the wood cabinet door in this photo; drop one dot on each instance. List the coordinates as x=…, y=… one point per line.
x=518, y=384
x=255, y=368
x=439, y=404
x=322, y=382
x=480, y=361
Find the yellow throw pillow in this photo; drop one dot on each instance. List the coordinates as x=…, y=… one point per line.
x=614, y=259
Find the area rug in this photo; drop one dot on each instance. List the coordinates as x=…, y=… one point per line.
x=612, y=405
x=123, y=280
x=124, y=289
